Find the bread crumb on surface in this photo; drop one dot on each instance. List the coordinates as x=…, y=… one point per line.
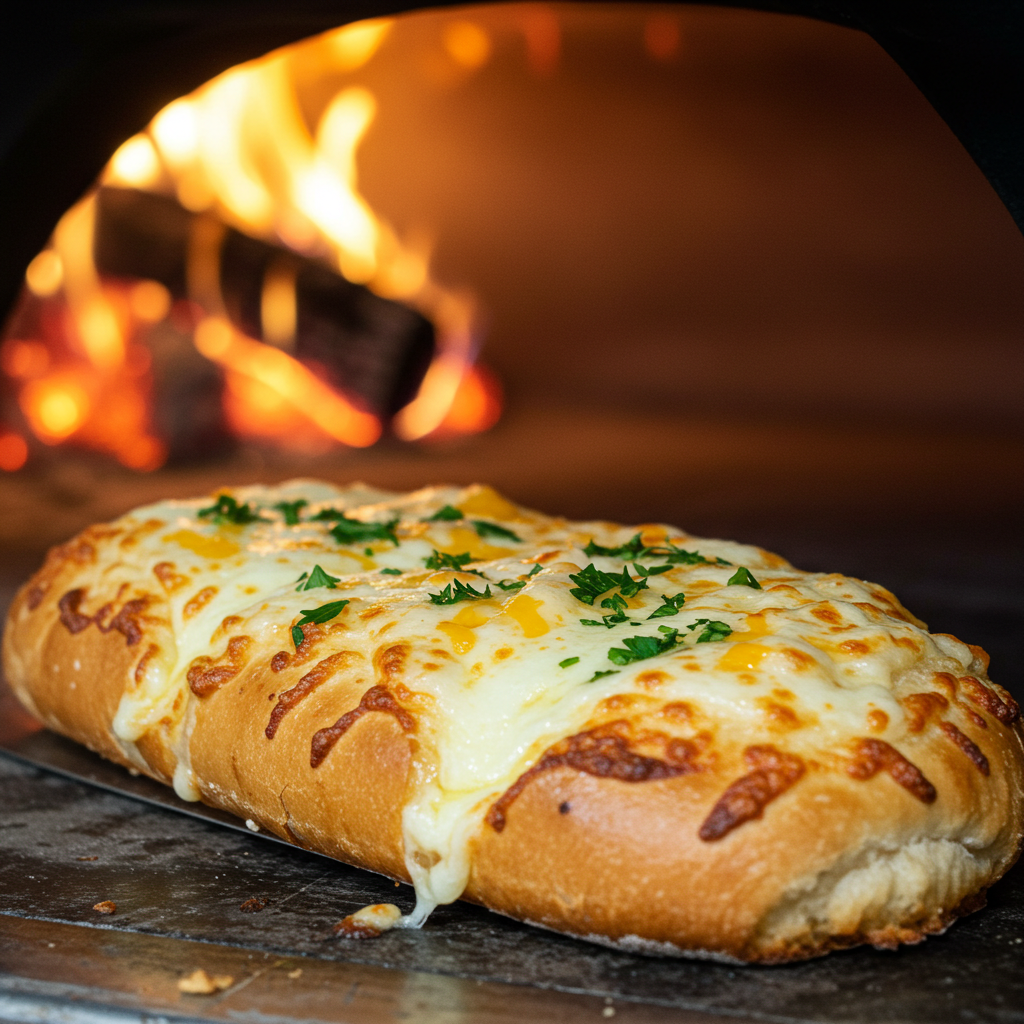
x=199, y=983
x=254, y=904
x=297, y=973
x=251, y=825
x=369, y=922
x=93, y=857
x=105, y=907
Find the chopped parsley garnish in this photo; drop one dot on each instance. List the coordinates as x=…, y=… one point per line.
x=713, y=630
x=324, y=613
x=355, y=531
x=635, y=549
x=639, y=648
x=519, y=584
x=391, y=572
x=445, y=514
x=742, y=578
x=485, y=529
x=327, y=515
x=457, y=591
x=592, y=582
x=652, y=570
x=290, y=510
x=668, y=606
x=227, y=510
x=317, y=578
x=601, y=675
x=440, y=560
x=567, y=662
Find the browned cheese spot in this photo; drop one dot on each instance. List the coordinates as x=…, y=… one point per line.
x=605, y=753
x=280, y=661
x=786, y=590
x=170, y=579
x=878, y=720
x=920, y=707
x=872, y=756
x=827, y=613
x=503, y=652
x=909, y=642
x=855, y=647
x=377, y=698
x=320, y=673
x=198, y=601
x=229, y=622
x=651, y=680
x=206, y=675
x=1000, y=705
x=779, y=716
x=126, y=621
x=140, y=669
x=72, y=619
x=678, y=711
x=312, y=634
x=773, y=772
x=967, y=745
x=431, y=666
x=389, y=662
x=946, y=682
x=975, y=718
x=349, y=928
x=372, y=612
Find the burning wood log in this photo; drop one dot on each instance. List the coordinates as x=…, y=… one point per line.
x=373, y=349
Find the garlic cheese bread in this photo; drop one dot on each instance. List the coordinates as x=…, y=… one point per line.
x=638, y=737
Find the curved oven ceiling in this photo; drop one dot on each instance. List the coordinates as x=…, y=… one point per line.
x=63, y=63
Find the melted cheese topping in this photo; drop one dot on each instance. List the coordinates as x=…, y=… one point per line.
x=520, y=670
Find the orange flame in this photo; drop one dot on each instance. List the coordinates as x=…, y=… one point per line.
x=239, y=151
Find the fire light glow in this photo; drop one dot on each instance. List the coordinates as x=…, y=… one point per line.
x=242, y=152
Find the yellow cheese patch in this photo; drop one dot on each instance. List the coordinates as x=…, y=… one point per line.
x=744, y=658
x=463, y=539
x=207, y=547
x=523, y=609
x=485, y=501
x=462, y=637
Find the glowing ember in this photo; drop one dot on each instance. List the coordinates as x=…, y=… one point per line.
x=242, y=153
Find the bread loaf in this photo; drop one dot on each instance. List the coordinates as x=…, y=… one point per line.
x=634, y=736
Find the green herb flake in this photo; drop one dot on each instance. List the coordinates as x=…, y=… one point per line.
x=536, y=569
x=440, y=560
x=391, y=572
x=486, y=529
x=567, y=662
x=668, y=606
x=324, y=613
x=355, y=531
x=713, y=630
x=227, y=510
x=511, y=584
x=640, y=648
x=458, y=591
x=634, y=549
x=592, y=582
x=601, y=675
x=319, y=578
x=742, y=577
x=445, y=514
x=652, y=570
x=290, y=510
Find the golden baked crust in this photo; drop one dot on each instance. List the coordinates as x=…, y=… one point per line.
x=791, y=764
